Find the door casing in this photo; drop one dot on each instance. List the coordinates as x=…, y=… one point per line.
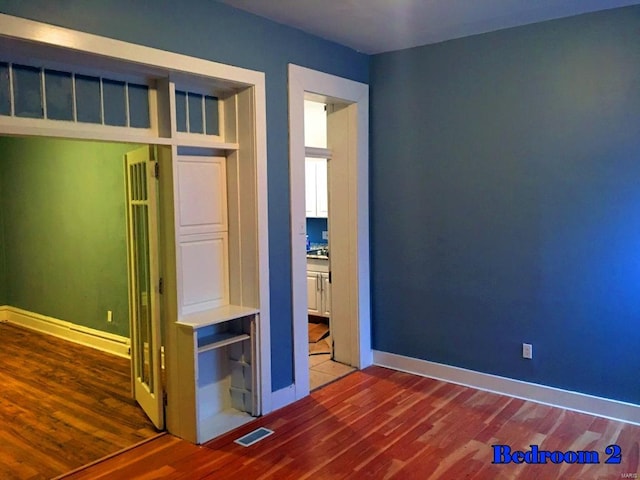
x=348, y=137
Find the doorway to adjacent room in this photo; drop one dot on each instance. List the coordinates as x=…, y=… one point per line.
x=348, y=227
x=323, y=368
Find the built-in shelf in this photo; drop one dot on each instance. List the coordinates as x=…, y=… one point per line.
x=218, y=351
x=217, y=380
x=215, y=315
x=223, y=422
x=219, y=340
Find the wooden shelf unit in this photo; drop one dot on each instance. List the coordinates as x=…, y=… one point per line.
x=218, y=361
x=216, y=385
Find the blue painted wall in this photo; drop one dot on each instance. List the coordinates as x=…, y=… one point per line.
x=213, y=31
x=506, y=203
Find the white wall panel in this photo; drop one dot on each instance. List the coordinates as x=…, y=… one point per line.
x=203, y=195
x=205, y=274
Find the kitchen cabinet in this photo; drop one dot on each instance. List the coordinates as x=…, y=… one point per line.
x=326, y=295
x=316, y=189
x=314, y=301
x=318, y=287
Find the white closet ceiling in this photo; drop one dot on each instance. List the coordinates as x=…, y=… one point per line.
x=375, y=26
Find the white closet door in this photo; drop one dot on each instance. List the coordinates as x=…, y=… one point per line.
x=203, y=247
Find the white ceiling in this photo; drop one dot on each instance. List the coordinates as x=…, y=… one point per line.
x=375, y=26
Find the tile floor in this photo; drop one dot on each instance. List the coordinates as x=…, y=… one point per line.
x=323, y=370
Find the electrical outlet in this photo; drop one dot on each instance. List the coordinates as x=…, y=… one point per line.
x=109, y=316
x=325, y=235
x=527, y=351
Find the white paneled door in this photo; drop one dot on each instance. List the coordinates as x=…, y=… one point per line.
x=203, y=233
x=144, y=283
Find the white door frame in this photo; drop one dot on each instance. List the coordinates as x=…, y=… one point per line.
x=354, y=96
x=105, y=54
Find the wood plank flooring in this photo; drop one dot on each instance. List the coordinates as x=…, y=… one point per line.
x=382, y=424
x=62, y=405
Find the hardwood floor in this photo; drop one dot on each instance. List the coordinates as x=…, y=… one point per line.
x=382, y=424
x=62, y=405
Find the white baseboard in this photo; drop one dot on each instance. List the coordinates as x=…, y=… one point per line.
x=104, y=341
x=283, y=397
x=556, y=397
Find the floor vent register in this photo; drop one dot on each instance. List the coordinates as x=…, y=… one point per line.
x=253, y=437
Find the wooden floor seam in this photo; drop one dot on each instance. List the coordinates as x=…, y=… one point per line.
x=110, y=456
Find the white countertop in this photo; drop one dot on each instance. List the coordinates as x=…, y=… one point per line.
x=318, y=257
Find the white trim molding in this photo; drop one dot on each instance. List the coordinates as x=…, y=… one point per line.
x=107, y=53
x=555, y=397
x=283, y=397
x=89, y=337
x=353, y=256
x=264, y=335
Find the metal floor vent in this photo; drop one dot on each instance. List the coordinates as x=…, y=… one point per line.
x=253, y=437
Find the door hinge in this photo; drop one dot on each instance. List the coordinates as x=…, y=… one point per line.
x=329, y=276
x=161, y=286
x=156, y=170
x=165, y=400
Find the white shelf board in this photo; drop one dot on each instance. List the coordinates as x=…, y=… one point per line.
x=215, y=315
x=221, y=340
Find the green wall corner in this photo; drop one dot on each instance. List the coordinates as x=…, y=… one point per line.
x=3, y=267
x=63, y=207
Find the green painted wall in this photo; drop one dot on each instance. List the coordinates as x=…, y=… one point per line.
x=3, y=273
x=63, y=204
